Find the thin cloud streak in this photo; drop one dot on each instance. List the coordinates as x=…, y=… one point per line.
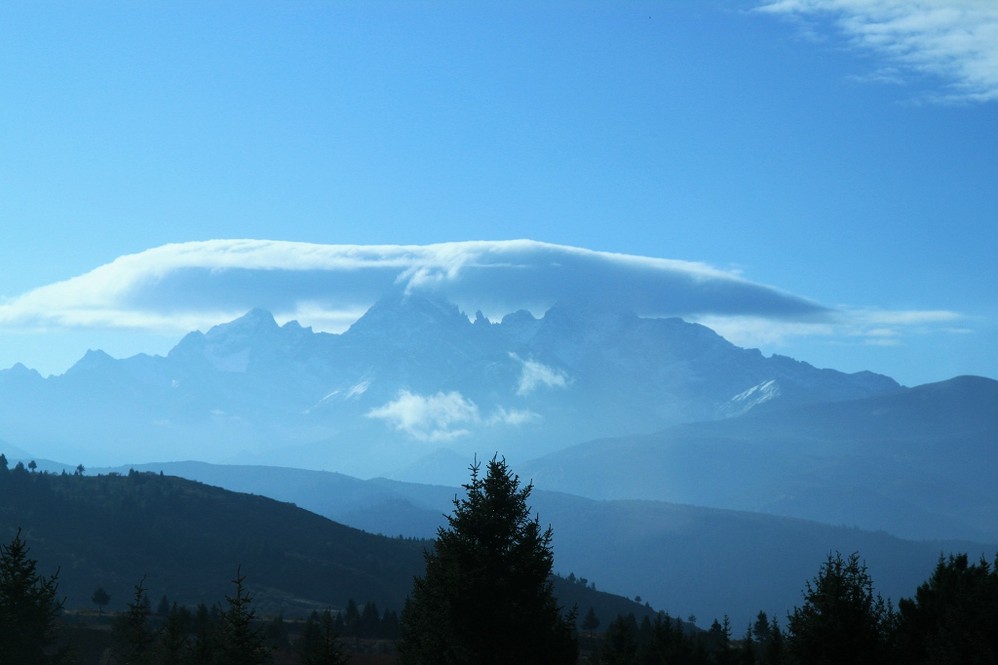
x=869, y=326
x=956, y=40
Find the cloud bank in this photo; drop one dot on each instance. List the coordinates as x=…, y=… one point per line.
x=198, y=284
x=181, y=287
x=956, y=40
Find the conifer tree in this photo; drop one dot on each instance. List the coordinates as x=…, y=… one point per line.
x=319, y=644
x=486, y=597
x=242, y=642
x=842, y=620
x=591, y=622
x=953, y=617
x=133, y=635
x=28, y=606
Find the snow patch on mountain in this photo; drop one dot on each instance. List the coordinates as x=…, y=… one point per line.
x=747, y=400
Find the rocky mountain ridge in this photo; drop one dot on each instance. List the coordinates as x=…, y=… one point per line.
x=410, y=378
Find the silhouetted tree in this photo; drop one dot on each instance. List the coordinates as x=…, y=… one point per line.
x=351, y=619
x=590, y=622
x=620, y=642
x=842, y=621
x=319, y=644
x=747, y=654
x=206, y=633
x=390, y=625
x=241, y=642
x=486, y=596
x=767, y=646
x=133, y=636
x=370, y=621
x=174, y=641
x=100, y=598
x=719, y=641
x=28, y=606
x=953, y=617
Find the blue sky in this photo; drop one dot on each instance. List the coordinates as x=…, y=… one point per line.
x=840, y=153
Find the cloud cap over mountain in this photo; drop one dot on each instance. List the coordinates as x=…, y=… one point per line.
x=196, y=284
x=175, y=288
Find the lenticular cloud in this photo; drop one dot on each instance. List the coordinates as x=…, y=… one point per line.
x=198, y=284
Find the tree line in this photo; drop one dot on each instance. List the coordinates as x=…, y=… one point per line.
x=951, y=620
x=486, y=598
x=33, y=627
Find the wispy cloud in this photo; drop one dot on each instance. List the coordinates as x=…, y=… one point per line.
x=876, y=327
x=442, y=416
x=955, y=40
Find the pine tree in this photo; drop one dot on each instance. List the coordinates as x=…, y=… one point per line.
x=28, y=606
x=242, y=643
x=842, y=620
x=174, y=643
x=319, y=644
x=486, y=597
x=591, y=622
x=953, y=617
x=133, y=636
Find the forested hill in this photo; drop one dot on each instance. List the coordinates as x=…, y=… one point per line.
x=185, y=540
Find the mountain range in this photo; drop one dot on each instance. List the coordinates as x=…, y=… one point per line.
x=412, y=382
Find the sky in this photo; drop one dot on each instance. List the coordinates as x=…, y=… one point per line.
x=814, y=178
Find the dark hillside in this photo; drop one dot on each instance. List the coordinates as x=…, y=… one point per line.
x=187, y=539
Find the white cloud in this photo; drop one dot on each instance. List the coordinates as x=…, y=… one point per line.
x=439, y=417
x=442, y=416
x=181, y=287
x=956, y=40
x=868, y=326
x=534, y=375
x=173, y=289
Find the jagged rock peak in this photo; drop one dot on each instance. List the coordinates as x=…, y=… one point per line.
x=92, y=359
x=411, y=310
x=255, y=320
x=21, y=371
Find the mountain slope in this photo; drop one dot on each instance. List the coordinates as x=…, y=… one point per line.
x=682, y=559
x=920, y=463
x=185, y=540
x=412, y=376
